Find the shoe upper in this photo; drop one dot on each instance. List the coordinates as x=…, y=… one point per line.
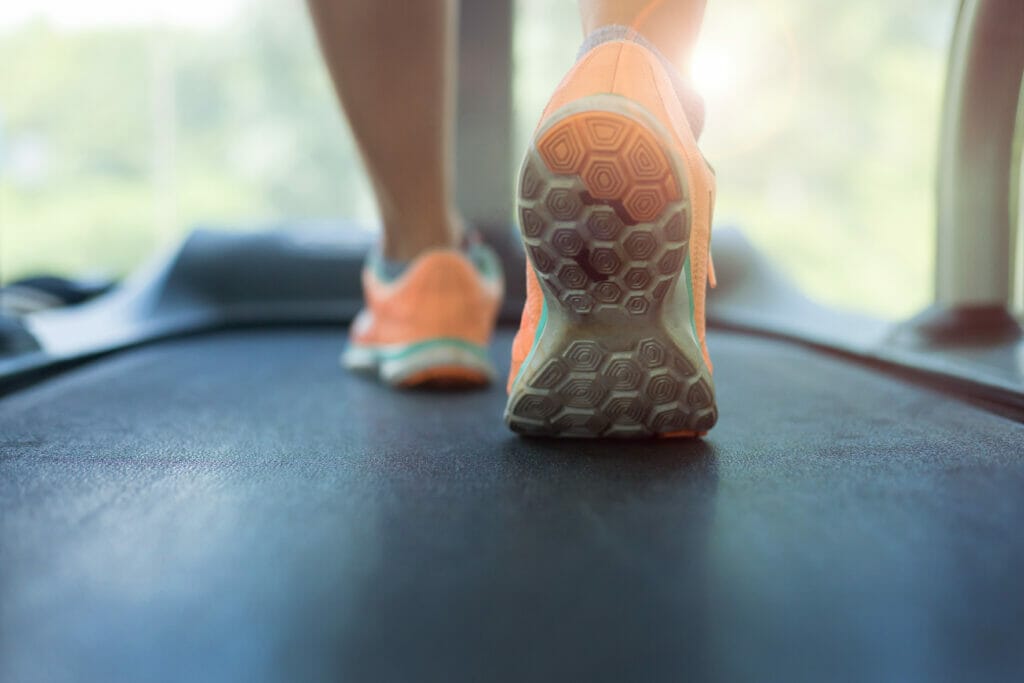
x=443, y=294
x=628, y=69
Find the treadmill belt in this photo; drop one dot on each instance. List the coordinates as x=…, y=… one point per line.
x=233, y=506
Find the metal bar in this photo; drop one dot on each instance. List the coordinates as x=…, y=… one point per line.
x=974, y=184
x=484, y=121
x=484, y=137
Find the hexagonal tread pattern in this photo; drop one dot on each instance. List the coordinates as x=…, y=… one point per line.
x=588, y=389
x=603, y=214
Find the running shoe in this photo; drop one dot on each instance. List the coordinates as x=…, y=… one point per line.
x=432, y=324
x=614, y=206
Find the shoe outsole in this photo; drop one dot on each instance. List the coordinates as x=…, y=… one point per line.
x=605, y=217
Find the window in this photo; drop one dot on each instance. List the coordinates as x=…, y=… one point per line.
x=823, y=125
x=124, y=123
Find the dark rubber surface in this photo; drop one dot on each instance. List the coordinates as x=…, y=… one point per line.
x=235, y=507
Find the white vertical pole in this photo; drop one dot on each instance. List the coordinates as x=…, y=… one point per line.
x=982, y=91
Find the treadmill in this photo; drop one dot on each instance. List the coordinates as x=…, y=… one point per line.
x=192, y=490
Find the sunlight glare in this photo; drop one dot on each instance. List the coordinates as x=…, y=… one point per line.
x=713, y=70
x=75, y=14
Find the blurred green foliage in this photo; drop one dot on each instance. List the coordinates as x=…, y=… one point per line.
x=114, y=141
x=823, y=132
x=253, y=135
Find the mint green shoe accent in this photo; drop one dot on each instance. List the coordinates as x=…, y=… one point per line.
x=485, y=261
x=480, y=255
x=688, y=274
x=375, y=264
x=449, y=342
x=396, y=364
x=536, y=341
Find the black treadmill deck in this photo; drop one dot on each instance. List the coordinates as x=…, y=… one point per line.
x=235, y=507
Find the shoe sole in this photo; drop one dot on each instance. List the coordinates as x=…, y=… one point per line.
x=432, y=363
x=605, y=216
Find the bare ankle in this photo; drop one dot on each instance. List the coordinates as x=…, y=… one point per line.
x=405, y=240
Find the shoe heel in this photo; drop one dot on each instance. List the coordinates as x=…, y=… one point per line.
x=604, y=214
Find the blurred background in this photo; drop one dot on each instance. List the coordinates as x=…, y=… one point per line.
x=124, y=123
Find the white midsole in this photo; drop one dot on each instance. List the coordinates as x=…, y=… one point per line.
x=409, y=363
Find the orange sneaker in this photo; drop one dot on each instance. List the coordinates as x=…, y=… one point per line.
x=432, y=324
x=614, y=205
